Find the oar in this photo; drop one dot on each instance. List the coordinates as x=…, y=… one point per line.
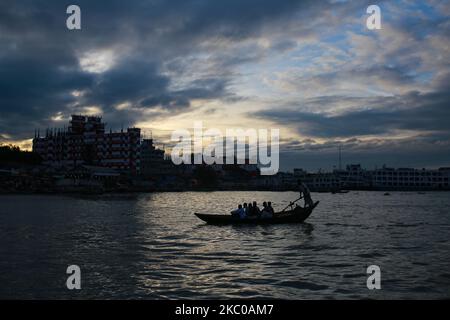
x=292, y=203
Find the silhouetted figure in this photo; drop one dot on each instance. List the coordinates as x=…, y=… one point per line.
x=236, y=213
x=245, y=208
x=265, y=213
x=250, y=210
x=242, y=213
x=306, y=194
x=269, y=207
x=256, y=211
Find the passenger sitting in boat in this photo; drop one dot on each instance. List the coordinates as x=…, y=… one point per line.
x=245, y=208
x=256, y=211
x=242, y=212
x=269, y=207
x=235, y=213
x=265, y=213
x=253, y=210
x=249, y=210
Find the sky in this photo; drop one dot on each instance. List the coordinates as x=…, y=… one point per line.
x=311, y=69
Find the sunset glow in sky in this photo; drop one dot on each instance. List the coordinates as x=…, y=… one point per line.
x=310, y=68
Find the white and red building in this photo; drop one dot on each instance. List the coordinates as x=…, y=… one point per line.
x=86, y=142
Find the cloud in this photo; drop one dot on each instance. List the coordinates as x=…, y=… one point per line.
x=119, y=56
x=382, y=116
x=322, y=74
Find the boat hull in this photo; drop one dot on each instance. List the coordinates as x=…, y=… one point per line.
x=297, y=215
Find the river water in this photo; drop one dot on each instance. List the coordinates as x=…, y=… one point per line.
x=151, y=246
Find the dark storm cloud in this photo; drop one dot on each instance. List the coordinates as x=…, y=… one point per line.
x=169, y=53
x=39, y=60
x=130, y=81
x=412, y=111
x=33, y=89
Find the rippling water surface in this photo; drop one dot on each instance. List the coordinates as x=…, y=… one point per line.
x=151, y=246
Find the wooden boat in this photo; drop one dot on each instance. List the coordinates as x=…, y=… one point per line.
x=295, y=215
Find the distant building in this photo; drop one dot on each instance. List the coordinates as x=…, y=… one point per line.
x=323, y=181
x=356, y=178
x=85, y=142
x=353, y=177
x=153, y=162
x=246, y=169
x=300, y=173
x=409, y=178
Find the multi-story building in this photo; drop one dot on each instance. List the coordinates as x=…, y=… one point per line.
x=86, y=142
x=153, y=162
x=356, y=178
x=408, y=178
x=353, y=177
x=321, y=181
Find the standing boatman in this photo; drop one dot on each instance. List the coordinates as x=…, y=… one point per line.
x=304, y=190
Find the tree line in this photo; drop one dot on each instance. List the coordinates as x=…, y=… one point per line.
x=11, y=154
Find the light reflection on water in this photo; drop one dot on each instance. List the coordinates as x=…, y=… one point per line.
x=152, y=246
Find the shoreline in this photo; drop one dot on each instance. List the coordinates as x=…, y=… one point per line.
x=130, y=192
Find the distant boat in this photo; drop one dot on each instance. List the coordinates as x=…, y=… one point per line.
x=340, y=191
x=295, y=215
x=387, y=194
